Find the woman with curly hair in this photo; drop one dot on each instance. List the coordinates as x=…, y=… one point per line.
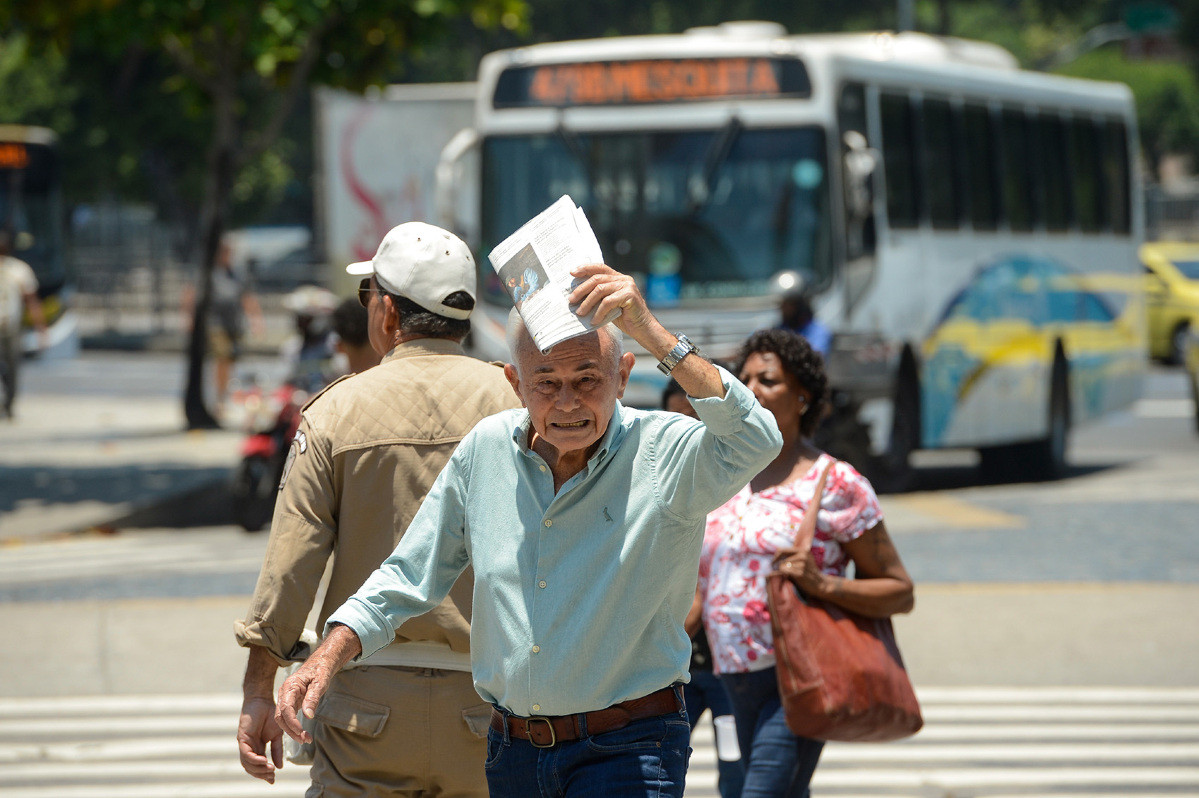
x=754, y=533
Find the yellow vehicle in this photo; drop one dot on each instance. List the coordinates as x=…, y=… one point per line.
x=1171, y=296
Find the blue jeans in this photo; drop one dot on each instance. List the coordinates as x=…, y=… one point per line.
x=646, y=759
x=705, y=691
x=777, y=763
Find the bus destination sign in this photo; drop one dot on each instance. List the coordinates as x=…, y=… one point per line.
x=13, y=155
x=638, y=82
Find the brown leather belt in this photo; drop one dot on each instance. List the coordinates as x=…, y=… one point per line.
x=547, y=731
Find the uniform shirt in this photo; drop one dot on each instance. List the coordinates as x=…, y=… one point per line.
x=580, y=595
x=16, y=281
x=741, y=540
x=367, y=451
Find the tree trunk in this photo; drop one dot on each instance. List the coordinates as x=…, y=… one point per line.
x=217, y=189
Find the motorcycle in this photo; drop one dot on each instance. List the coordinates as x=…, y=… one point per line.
x=271, y=420
x=271, y=423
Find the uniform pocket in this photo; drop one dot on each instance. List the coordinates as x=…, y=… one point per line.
x=478, y=719
x=353, y=714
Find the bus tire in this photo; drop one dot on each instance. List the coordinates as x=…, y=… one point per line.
x=893, y=468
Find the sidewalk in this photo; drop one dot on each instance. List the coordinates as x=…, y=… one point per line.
x=81, y=459
x=70, y=465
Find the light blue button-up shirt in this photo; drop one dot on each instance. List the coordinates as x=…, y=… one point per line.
x=579, y=595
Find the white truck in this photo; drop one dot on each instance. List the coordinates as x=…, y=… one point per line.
x=377, y=156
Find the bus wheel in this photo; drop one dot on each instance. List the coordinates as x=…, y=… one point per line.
x=1049, y=460
x=893, y=470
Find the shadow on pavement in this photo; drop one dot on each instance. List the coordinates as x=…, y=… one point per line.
x=161, y=494
x=930, y=478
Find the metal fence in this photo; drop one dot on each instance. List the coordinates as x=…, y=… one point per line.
x=1171, y=215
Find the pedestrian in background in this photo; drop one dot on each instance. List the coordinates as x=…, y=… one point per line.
x=352, y=342
x=705, y=691
x=583, y=521
x=755, y=531
x=18, y=296
x=232, y=305
x=796, y=315
x=408, y=721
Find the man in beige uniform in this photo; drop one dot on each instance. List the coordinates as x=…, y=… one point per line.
x=407, y=721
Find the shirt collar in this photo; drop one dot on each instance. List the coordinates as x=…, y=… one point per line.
x=425, y=346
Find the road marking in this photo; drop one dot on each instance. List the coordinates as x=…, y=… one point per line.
x=943, y=510
x=1164, y=408
x=985, y=742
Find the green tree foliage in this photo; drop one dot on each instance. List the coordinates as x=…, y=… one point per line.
x=1167, y=95
x=236, y=73
x=32, y=86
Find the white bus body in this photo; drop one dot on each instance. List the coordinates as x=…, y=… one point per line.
x=968, y=230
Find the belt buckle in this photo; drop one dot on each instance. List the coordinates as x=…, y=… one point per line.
x=529, y=731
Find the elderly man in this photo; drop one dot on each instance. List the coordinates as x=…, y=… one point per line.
x=407, y=722
x=583, y=522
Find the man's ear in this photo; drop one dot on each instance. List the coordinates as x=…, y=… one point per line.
x=391, y=317
x=514, y=380
x=626, y=368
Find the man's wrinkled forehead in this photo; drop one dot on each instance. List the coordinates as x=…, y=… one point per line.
x=574, y=354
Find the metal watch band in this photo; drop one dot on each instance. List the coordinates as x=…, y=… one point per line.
x=683, y=348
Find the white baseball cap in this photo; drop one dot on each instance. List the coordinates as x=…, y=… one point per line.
x=423, y=263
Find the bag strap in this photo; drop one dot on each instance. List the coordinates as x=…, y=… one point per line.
x=807, y=527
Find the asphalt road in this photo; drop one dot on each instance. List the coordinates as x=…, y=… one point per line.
x=1126, y=512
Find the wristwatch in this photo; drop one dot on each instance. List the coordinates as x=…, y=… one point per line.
x=683, y=348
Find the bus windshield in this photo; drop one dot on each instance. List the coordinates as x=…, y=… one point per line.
x=693, y=215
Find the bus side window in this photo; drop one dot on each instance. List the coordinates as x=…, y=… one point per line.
x=899, y=160
x=1019, y=205
x=859, y=163
x=1086, y=166
x=1052, y=146
x=942, y=175
x=981, y=163
x=1116, y=177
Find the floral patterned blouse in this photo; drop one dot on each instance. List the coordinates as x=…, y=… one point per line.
x=740, y=542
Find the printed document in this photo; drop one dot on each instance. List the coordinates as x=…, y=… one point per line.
x=534, y=264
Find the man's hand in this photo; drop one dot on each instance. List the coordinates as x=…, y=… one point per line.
x=303, y=690
x=255, y=729
x=604, y=294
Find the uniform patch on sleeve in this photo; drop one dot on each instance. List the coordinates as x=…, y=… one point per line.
x=299, y=445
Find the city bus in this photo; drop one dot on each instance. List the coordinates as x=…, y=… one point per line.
x=31, y=209
x=967, y=229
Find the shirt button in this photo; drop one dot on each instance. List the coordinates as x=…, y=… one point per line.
x=542, y=468
x=537, y=707
x=541, y=583
x=549, y=522
x=536, y=650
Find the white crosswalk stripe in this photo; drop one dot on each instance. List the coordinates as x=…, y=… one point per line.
x=978, y=743
x=203, y=551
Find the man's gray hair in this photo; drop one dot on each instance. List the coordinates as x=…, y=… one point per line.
x=518, y=333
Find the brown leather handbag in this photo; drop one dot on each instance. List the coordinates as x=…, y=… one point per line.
x=840, y=674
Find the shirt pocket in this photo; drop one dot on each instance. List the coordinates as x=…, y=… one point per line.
x=353, y=714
